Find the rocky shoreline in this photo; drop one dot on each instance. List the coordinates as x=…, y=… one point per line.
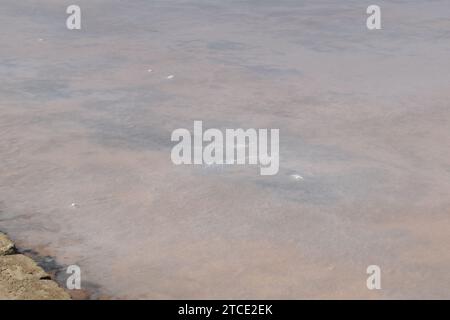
x=22, y=279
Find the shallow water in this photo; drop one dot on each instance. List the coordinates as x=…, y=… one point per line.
x=364, y=118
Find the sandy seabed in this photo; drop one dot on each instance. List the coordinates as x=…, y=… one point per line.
x=364, y=118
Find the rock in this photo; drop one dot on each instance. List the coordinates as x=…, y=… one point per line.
x=22, y=278
x=6, y=245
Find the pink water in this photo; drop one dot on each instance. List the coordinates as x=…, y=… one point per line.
x=364, y=118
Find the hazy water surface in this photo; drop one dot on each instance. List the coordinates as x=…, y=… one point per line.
x=364, y=118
